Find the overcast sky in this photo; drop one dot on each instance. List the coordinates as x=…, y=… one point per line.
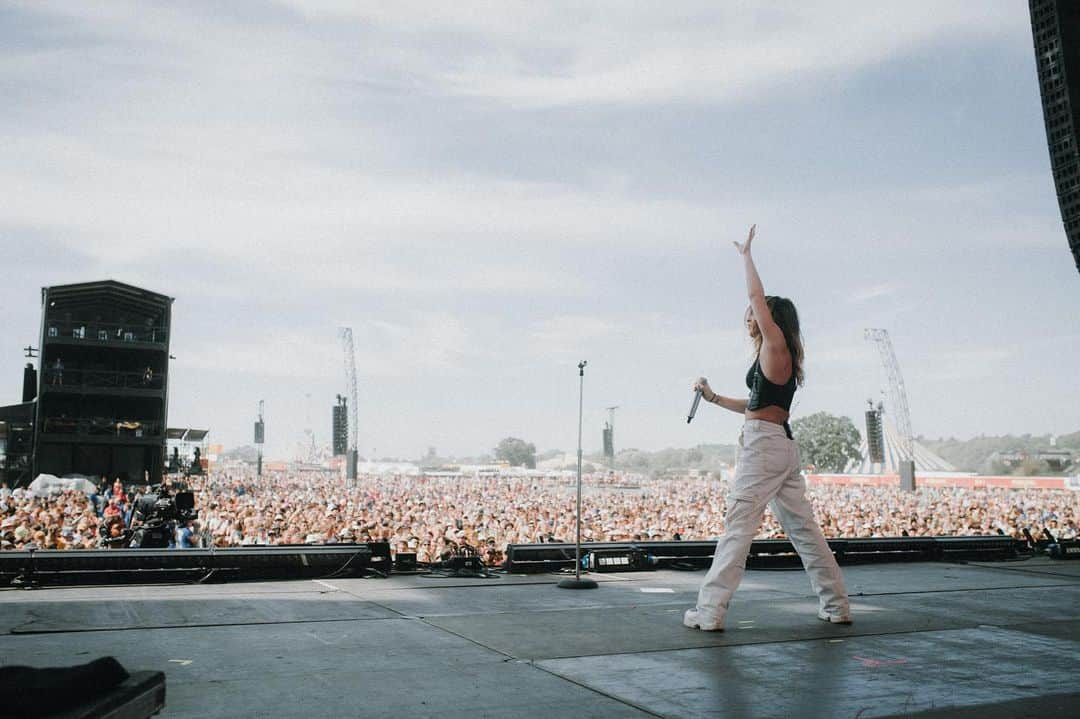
x=489, y=193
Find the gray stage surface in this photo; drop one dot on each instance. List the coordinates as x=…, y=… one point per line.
x=929, y=640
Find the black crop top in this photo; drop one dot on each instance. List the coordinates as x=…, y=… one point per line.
x=764, y=393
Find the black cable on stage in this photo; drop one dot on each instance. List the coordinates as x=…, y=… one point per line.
x=460, y=574
x=343, y=567
x=439, y=571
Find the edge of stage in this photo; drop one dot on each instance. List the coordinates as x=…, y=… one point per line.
x=987, y=639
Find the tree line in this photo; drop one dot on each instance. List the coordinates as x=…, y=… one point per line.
x=827, y=443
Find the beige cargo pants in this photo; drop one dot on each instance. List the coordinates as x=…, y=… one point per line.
x=768, y=473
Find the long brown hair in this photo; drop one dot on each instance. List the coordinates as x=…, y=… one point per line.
x=787, y=319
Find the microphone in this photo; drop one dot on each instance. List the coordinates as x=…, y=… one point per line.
x=693, y=407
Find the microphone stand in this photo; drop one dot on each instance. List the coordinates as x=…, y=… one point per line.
x=577, y=582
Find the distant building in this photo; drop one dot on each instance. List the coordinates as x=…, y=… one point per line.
x=1057, y=460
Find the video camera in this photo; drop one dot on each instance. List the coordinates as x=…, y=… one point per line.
x=157, y=514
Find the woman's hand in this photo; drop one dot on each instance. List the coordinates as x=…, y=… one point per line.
x=702, y=385
x=744, y=248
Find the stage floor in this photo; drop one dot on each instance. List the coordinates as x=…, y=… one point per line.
x=929, y=640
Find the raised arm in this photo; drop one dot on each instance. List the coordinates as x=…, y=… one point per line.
x=775, y=357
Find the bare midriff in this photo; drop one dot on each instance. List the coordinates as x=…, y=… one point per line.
x=774, y=414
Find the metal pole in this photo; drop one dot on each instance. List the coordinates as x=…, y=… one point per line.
x=259, y=445
x=611, y=426
x=580, y=412
x=577, y=582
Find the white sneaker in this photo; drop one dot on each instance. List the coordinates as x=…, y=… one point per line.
x=698, y=619
x=842, y=618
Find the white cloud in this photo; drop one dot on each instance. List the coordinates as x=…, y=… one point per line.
x=563, y=332
x=566, y=53
x=552, y=54
x=279, y=355
x=965, y=363
x=423, y=343
x=340, y=227
x=519, y=186
x=861, y=294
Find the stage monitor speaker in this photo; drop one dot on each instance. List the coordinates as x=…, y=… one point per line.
x=983, y=548
x=380, y=557
x=405, y=562
x=149, y=565
x=620, y=560
x=1065, y=549
x=469, y=564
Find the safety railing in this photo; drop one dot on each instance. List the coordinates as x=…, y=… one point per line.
x=102, y=426
x=58, y=376
x=104, y=332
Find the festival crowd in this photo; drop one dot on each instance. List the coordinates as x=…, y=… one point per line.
x=435, y=516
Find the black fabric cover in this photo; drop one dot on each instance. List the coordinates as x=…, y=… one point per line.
x=34, y=692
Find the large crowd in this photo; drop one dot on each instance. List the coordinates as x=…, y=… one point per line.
x=435, y=516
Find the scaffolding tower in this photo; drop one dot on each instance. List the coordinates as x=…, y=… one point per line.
x=898, y=403
x=353, y=454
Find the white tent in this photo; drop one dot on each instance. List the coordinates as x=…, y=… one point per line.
x=49, y=483
x=383, y=469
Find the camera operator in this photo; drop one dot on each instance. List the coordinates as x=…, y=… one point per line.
x=163, y=520
x=112, y=534
x=186, y=535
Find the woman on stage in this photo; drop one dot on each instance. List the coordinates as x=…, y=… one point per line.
x=768, y=470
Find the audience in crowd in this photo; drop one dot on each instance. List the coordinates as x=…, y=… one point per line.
x=436, y=516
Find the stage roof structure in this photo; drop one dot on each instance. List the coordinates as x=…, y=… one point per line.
x=110, y=295
x=183, y=434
